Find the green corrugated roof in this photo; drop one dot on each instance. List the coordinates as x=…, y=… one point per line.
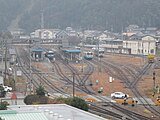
x=7, y=112
x=23, y=116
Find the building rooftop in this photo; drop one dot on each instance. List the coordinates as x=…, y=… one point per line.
x=47, y=112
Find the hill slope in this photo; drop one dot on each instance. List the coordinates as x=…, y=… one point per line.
x=88, y=14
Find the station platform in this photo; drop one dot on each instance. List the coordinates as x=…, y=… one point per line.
x=71, y=54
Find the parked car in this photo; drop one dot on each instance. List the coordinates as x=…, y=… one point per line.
x=118, y=95
x=7, y=88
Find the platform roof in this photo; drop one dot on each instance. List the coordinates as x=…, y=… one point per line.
x=72, y=51
x=38, y=50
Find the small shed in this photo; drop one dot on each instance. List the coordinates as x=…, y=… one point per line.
x=37, y=54
x=72, y=54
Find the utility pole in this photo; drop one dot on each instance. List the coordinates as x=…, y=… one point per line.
x=15, y=76
x=30, y=72
x=82, y=52
x=72, y=75
x=5, y=77
x=99, y=59
x=73, y=84
x=2, y=45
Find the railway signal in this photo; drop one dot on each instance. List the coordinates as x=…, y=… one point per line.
x=154, y=78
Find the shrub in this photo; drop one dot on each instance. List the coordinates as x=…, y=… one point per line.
x=3, y=105
x=78, y=103
x=40, y=91
x=2, y=92
x=35, y=99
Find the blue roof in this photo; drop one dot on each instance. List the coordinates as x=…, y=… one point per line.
x=73, y=51
x=37, y=50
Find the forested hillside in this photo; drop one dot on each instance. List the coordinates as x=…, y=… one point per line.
x=88, y=14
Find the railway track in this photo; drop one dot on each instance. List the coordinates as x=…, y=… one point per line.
x=78, y=86
x=96, y=108
x=129, y=115
x=39, y=79
x=133, y=87
x=139, y=76
x=80, y=82
x=131, y=84
x=113, y=114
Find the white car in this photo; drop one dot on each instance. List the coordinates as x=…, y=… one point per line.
x=7, y=88
x=118, y=95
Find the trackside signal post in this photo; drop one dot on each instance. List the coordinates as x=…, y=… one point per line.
x=154, y=78
x=154, y=84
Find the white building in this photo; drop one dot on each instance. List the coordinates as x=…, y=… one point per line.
x=45, y=33
x=140, y=46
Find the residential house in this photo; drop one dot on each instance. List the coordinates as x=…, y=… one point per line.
x=69, y=29
x=54, y=32
x=102, y=37
x=151, y=30
x=72, y=33
x=17, y=32
x=62, y=35
x=91, y=34
x=128, y=34
x=131, y=28
x=36, y=33
x=110, y=35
